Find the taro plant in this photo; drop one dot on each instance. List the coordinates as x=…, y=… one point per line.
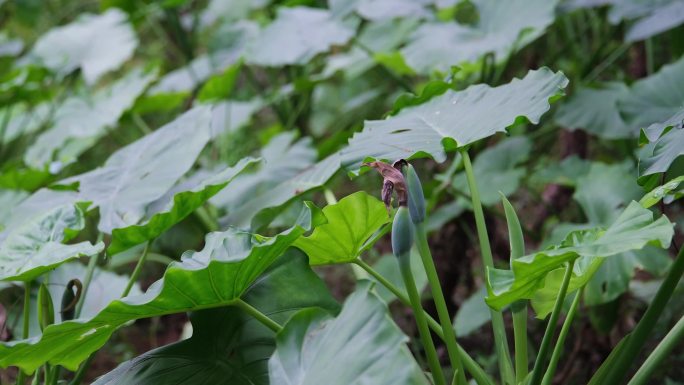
x=170, y=174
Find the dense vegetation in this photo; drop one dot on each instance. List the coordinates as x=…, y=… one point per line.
x=342, y=192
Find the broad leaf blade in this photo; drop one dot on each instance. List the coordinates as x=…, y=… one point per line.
x=212, y=277
x=95, y=43
x=36, y=247
x=350, y=223
x=182, y=205
x=227, y=345
x=463, y=116
x=632, y=230
x=296, y=36
x=143, y=171
x=360, y=346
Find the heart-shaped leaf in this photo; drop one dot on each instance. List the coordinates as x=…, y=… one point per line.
x=351, y=222
x=36, y=246
x=360, y=346
x=632, y=230
x=215, y=276
x=462, y=116
x=228, y=345
x=95, y=43
x=143, y=171
x=182, y=205
x=296, y=36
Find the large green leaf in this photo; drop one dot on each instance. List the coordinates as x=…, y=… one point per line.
x=351, y=222
x=95, y=43
x=228, y=346
x=503, y=28
x=24, y=121
x=655, y=98
x=360, y=346
x=8, y=200
x=464, y=116
x=632, y=230
x=473, y=313
x=296, y=36
x=80, y=122
x=667, y=144
x=215, y=276
x=497, y=170
x=604, y=190
x=36, y=247
x=143, y=171
x=37, y=205
x=595, y=110
x=381, y=9
x=181, y=205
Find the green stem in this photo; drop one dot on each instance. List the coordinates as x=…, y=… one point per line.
x=649, y=56
x=137, y=270
x=637, y=338
x=480, y=376
x=500, y=341
x=421, y=320
x=78, y=377
x=558, y=349
x=25, y=325
x=518, y=308
x=661, y=352
x=519, y=311
x=440, y=303
x=92, y=264
x=551, y=327
x=261, y=317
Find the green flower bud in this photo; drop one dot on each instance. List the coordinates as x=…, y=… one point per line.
x=46, y=311
x=402, y=233
x=416, y=199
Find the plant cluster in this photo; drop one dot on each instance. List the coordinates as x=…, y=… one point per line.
x=197, y=149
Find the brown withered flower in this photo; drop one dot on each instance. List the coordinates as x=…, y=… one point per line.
x=393, y=182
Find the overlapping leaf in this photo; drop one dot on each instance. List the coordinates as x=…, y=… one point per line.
x=497, y=170
x=296, y=36
x=228, y=345
x=215, y=276
x=143, y=171
x=632, y=230
x=182, y=204
x=36, y=247
x=595, y=110
x=95, y=43
x=462, y=116
x=351, y=222
x=666, y=146
x=360, y=346
x=502, y=28
x=79, y=123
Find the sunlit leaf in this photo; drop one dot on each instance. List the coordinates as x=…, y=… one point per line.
x=95, y=43
x=351, y=222
x=360, y=346
x=463, y=116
